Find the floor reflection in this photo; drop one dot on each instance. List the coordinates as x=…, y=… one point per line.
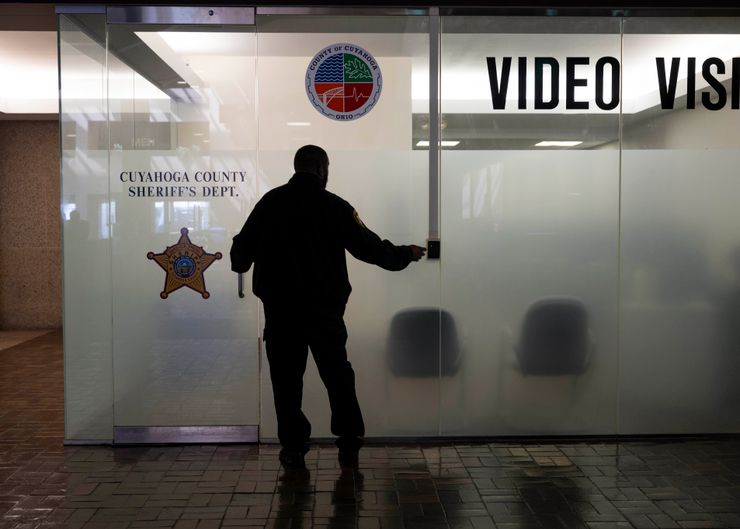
x=295, y=498
x=486, y=485
x=346, y=499
x=552, y=502
x=301, y=501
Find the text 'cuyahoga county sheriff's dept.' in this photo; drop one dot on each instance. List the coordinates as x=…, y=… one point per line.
x=182, y=184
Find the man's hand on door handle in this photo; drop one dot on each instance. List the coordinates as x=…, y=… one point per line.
x=417, y=252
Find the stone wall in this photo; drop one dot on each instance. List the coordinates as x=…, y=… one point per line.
x=30, y=226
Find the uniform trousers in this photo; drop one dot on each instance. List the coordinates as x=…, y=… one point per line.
x=288, y=336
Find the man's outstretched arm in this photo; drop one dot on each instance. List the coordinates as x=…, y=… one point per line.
x=366, y=246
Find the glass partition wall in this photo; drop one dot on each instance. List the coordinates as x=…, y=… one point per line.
x=200, y=121
x=88, y=347
x=679, y=296
x=530, y=209
x=582, y=186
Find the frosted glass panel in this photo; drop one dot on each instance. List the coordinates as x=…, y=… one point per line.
x=375, y=167
x=183, y=176
x=680, y=311
x=88, y=384
x=590, y=273
x=530, y=230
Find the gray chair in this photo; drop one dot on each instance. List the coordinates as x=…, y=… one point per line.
x=416, y=340
x=554, y=338
x=542, y=368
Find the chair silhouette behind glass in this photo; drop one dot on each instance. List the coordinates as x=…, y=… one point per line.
x=542, y=370
x=418, y=337
x=554, y=339
x=423, y=344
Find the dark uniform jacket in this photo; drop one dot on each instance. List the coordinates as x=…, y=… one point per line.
x=296, y=236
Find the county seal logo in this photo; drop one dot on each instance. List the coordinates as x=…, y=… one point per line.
x=343, y=81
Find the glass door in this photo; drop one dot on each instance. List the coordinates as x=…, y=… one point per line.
x=183, y=176
x=359, y=87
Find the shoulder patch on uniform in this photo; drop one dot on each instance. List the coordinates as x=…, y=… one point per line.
x=357, y=218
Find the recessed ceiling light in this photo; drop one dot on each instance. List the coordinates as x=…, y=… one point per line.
x=182, y=82
x=197, y=134
x=443, y=143
x=557, y=143
x=299, y=124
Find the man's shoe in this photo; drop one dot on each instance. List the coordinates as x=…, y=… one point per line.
x=348, y=459
x=292, y=459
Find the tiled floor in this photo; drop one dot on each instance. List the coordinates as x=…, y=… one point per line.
x=473, y=486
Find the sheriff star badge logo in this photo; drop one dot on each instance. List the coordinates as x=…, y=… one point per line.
x=184, y=264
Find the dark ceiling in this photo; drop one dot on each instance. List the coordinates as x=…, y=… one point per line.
x=39, y=16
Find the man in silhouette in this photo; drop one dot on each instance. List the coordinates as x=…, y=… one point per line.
x=296, y=236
